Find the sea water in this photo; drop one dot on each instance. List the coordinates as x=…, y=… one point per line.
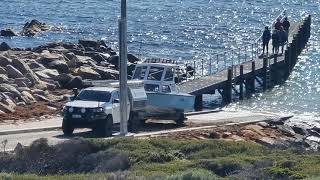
x=183, y=30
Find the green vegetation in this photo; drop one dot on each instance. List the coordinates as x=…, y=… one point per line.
x=188, y=159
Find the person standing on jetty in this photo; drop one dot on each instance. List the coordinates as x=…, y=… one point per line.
x=286, y=25
x=278, y=25
x=266, y=36
x=275, y=41
x=283, y=38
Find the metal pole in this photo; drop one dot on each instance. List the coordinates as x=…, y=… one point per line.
x=245, y=55
x=217, y=62
x=202, y=66
x=232, y=56
x=252, y=51
x=239, y=57
x=194, y=70
x=123, y=68
x=210, y=66
x=225, y=61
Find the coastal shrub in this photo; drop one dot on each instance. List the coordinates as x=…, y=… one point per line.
x=283, y=173
x=194, y=174
x=161, y=169
x=223, y=166
x=158, y=158
x=74, y=156
x=104, y=161
x=218, y=148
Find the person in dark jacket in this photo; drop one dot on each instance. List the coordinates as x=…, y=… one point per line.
x=275, y=42
x=286, y=25
x=278, y=25
x=266, y=36
x=283, y=38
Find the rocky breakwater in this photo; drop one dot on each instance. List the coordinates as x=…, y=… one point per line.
x=274, y=133
x=34, y=75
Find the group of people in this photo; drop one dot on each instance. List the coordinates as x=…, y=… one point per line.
x=279, y=36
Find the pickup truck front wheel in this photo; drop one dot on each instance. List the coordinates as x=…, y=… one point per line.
x=67, y=127
x=104, y=128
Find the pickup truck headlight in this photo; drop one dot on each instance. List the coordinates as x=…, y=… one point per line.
x=70, y=109
x=98, y=110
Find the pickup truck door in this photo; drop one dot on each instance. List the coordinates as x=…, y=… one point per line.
x=116, y=107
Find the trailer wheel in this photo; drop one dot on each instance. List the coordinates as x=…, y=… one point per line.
x=180, y=119
x=67, y=127
x=104, y=128
x=134, y=122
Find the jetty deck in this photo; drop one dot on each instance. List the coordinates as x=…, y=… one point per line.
x=266, y=70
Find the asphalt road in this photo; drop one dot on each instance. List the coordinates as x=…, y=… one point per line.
x=26, y=139
x=207, y=119
x=56, y=136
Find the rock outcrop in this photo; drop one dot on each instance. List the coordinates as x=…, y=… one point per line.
x=28, y=76
x=4, y=47
x=34, y=27
x=7, y=33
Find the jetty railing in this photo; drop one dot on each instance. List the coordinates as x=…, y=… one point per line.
x=236, y=56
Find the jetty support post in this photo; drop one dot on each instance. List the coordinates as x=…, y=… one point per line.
x=250, y=82
x=294, y=52
x=241, y=82
x=198, y=103
x=287, y=62
x=228, y=88
x=265, y=73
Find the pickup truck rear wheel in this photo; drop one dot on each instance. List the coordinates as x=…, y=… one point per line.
x=180, y=119
x=67, y=127
x=104, y=128
x=134, y=122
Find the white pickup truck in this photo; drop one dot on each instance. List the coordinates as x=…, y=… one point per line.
x=99, y=108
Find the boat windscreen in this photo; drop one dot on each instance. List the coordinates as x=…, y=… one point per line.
x=155, y=73
x=139, y=73
x=169, y=75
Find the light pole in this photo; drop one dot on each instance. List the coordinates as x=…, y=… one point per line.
x=123, y=68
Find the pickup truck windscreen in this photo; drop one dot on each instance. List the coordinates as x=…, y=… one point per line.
x=90, y=95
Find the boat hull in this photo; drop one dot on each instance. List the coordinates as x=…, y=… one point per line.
x=162, y=103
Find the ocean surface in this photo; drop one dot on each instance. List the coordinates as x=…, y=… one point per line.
x=181, y=30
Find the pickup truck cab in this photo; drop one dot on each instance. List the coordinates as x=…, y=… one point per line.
x=98, y=107
x=94, y=107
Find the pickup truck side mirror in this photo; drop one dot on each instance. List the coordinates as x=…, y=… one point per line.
x=72, y=98
x=116, y=101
